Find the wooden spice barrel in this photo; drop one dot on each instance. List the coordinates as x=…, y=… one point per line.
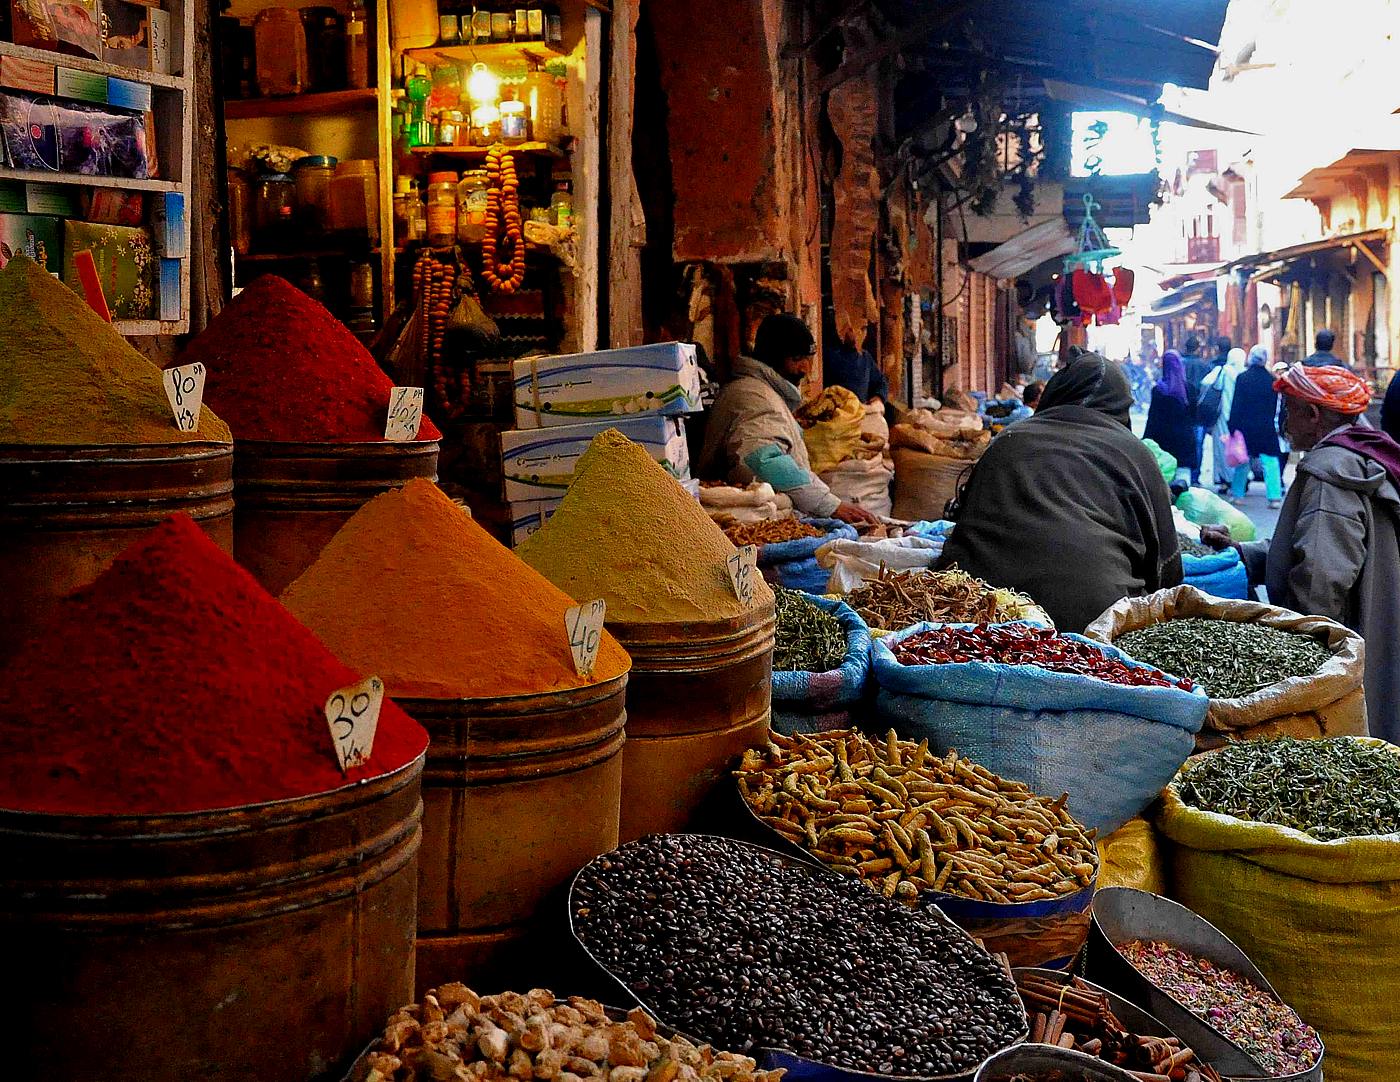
x=699, y=695
x=66, y=511
x=293, y=497
x=269, y=941
x=518, y=794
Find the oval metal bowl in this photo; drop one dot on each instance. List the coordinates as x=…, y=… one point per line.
x=1045, y=1057
x=1122, y=914
x=799, y=1069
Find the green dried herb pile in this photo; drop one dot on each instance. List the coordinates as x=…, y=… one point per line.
x=1335, y=787
x=1228, y=658
x=808, y=639
x=1191, y=547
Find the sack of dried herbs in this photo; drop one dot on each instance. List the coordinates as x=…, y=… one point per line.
x=811, y=700
x=1304, y=875
x=1304, y=699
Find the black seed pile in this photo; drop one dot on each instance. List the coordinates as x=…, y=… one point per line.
x=730, y=945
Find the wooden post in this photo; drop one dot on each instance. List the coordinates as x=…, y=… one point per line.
x=627, y=232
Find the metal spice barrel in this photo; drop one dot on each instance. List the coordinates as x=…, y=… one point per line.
x=66, y=511
x=518, y=794
x=268, y=941
x=293, y=497
x=698, y=697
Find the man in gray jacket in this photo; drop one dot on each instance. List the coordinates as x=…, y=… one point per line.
x=1336, y=549
x=752, y=434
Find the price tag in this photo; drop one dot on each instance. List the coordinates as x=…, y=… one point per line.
x=584, y=624
x=184, y=387
x=405, y=414
x=743, y=570
x=353, y=715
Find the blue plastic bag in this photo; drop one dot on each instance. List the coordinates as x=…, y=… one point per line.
x=1221, y=574
x=1111, y=747
x=794, y=563
x=807, y=702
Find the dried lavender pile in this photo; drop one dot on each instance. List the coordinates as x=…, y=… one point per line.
x=739, y=949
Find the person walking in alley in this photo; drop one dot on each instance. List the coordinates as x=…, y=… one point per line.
x=1213, y=410
x=1254, y=413
x=753, y=433
x=1196, y=368
x=1171, y=417
x=1336, y=549
x=1322, y=355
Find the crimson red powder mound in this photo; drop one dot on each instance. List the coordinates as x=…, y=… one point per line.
x=283, y=368
x=176, y=683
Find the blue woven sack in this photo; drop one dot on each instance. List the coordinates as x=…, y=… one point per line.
x=1111, y=747
x=794, y=563
x=1221, y=574
x=807, y=702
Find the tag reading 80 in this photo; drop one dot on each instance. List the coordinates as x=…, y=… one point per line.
x=184, y=388
x=353, y=716
x=743, y=569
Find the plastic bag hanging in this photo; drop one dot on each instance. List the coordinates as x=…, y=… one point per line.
x=1123, y=279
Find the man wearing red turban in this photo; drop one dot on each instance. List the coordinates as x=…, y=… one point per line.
x=1336, y=549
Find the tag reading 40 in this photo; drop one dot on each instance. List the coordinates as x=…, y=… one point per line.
x=184, y=387
x=353, y=715
x=584, y=624
x=405, y=414
x=743, y=570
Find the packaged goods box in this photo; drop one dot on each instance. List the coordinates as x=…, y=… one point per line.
x=539, y=464
x=527, y=516
x=664, y=378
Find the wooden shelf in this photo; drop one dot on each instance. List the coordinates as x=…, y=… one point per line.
x=82, y=63
x=494, y=53
x=39, y=176
x=323, y=104
x=543, y=149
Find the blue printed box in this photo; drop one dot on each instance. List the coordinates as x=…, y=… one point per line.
x=539, y=464
x=664, y=378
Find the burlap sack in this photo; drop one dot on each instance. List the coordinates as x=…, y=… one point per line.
x=923, y=484
x=1331, y=702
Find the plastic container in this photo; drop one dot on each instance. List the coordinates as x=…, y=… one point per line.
x=515, y=123
x=274, y=209
x=279, y=43
x=518, y=793
x=293, y=497
x=354, y=198
x=698, y=697
x=561, y=206
x=312, y=177
x=269, y=941
x=471, y=206
x=442, y=209
x=65, y=512
x=544, y=97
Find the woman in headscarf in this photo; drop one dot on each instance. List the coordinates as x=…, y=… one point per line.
x=1254, y=414
x=1225, y=376
x=1171, y=418
x=1069, y=506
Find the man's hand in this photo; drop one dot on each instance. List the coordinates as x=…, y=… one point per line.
x=1217, y=537
x=855, y=514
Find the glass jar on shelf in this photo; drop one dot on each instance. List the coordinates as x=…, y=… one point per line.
x=274, y=205
x=325, y=47
x=281, y=66
x=312, y=177
x=354, y=198
x=442, y=209
x=471, y=206
x=357, y=47
x=514, y=125
x=240, y=198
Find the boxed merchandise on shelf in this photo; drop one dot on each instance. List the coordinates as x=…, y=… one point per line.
x=527, y=516
x=663, y=378
x=21, y=73
x=35, y=235
x=540, y=463
x=169, y=299
x=51, y=135
x=65, y=26
x=125, y=261
x=168, y=226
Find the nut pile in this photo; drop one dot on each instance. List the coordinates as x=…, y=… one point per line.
x=730, y=943
x=900, y=599
x=454, y=1035
x=770, y=531
x=906, y=821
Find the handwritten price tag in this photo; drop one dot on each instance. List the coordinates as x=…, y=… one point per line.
x=405, y=414
x=584, y=624
x=353, y=715
x=184, y=387
x=743, y=570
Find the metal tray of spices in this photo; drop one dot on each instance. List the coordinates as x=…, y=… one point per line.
x=798, y=1069
x=1122, y=914
x=1044, y=1057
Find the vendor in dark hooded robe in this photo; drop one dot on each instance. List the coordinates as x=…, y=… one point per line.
x=1069, y=506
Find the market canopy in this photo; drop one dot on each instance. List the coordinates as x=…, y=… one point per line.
x=1271, y=264
x=1036, y=245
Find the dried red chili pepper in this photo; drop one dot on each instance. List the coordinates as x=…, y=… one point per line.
x=1021, y=644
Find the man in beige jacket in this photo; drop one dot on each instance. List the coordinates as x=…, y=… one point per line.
x=752, y=433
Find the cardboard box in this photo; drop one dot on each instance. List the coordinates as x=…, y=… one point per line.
x=33, y=75
x=126, y=265
x=527, y=516
x=126, y=94
x=113, y=206
x=56, y=199
x=170, y=288
x=81, y=85
x=35, y=235
x=584, y=387
x=539, y=463
x=168, y=226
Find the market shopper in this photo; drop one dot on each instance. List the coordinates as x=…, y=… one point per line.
x=1336, y=549
x=1322, y=355
x=1254, y=414
x=1213, y=410
x=752, y=432
x=848, y=366
x=1171, y=417
x=1196, y=368
x=1069, y=506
